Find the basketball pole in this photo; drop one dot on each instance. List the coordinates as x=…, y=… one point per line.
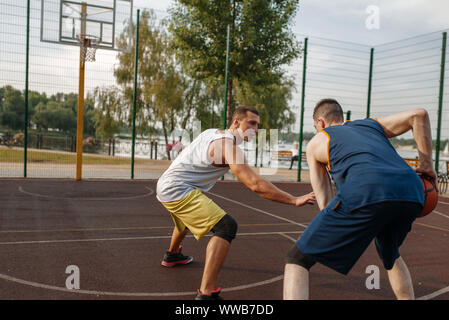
x=80, y=113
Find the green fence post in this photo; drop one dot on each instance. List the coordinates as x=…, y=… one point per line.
x=225, y=109
x=348, y=115
x=370, y=82
x=440, y=102
x=136, y=57
x=301, y=117
x=226, y=76
x=27, y=54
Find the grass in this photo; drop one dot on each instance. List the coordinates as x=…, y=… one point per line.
x=16, y=156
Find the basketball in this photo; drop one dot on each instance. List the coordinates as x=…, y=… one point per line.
x=430, y=197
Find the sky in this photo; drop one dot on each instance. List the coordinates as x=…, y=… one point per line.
x=346, y=19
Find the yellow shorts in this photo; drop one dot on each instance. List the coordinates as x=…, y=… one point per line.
x=196, y=212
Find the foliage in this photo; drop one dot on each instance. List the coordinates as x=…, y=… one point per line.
x=261, y=39
x=55, y=112
x=166, y=96
x=271, y=102
x=108, y=114
x=12, y=108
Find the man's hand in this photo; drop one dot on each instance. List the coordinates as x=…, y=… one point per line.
x=430, y=173
x=305, y=199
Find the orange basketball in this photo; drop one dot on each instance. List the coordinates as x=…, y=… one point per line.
x=430, y=197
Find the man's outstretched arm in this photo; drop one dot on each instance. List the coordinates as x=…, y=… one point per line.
x=234, y=157
x=418, y=121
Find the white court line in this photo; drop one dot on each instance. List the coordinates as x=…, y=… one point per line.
x=259, y=210
x=133, y=238
x=441, y=214
x=288, y=237
x=134, y=294
x=87, y=199
x=434, y=294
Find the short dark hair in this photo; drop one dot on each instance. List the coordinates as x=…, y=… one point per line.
x=329, y=109
x=240, y=112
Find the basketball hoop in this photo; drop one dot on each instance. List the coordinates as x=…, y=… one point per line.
x=87, y=43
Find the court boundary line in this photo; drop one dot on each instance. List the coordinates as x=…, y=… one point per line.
x=133, y=294
x=287, y=237
x=87, y=199
x=125, y=228
x=136, y=238
x=434, y=294
x=441, y=214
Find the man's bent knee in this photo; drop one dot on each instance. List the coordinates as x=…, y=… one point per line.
x=295, y=256
x=226, y=228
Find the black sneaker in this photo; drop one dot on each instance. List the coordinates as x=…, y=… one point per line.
x=213, y=296
x=174, y=259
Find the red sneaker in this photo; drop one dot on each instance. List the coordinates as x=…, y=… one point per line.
x=174, y=259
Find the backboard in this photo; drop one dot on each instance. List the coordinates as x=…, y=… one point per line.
x=63, y=21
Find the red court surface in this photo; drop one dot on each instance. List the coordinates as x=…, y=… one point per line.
x=116, y=233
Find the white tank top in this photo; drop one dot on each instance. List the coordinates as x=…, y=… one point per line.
x=191, y=169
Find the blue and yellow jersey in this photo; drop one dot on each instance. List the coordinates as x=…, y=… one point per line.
x=366, y=168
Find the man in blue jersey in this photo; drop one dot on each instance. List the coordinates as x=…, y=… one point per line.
x=378, y=195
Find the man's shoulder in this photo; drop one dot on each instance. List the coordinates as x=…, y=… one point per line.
x=322, y=137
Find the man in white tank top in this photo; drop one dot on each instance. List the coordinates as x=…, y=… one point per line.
x=196, y=170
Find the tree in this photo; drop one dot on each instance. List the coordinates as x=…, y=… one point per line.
x=2, y=96
x=108, y=112
x=41, y=117
x=54, y=115
x=34, y=98
x=89, y=115
x=261, y=39
x=165, y=95
x=13, y=109
x=272, y=102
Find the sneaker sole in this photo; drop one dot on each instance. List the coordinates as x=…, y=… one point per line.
x=173, y=264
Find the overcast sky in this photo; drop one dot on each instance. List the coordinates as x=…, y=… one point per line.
x=346, y=19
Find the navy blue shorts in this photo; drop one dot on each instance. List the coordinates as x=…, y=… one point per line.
x=337, y=239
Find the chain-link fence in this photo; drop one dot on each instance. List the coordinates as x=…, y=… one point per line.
x=366, y=80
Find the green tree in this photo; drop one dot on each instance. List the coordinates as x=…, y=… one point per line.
x=2, y=96
x=165, y=95
x=89, y=115
x=272, y=102
x=41, y=117
x=13, y=109
x=54, y=115
x=108, y=112
x=34, y=98
x=261, y=39
x=124, y=72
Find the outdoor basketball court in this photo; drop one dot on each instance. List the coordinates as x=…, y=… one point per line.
x=116, y=232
